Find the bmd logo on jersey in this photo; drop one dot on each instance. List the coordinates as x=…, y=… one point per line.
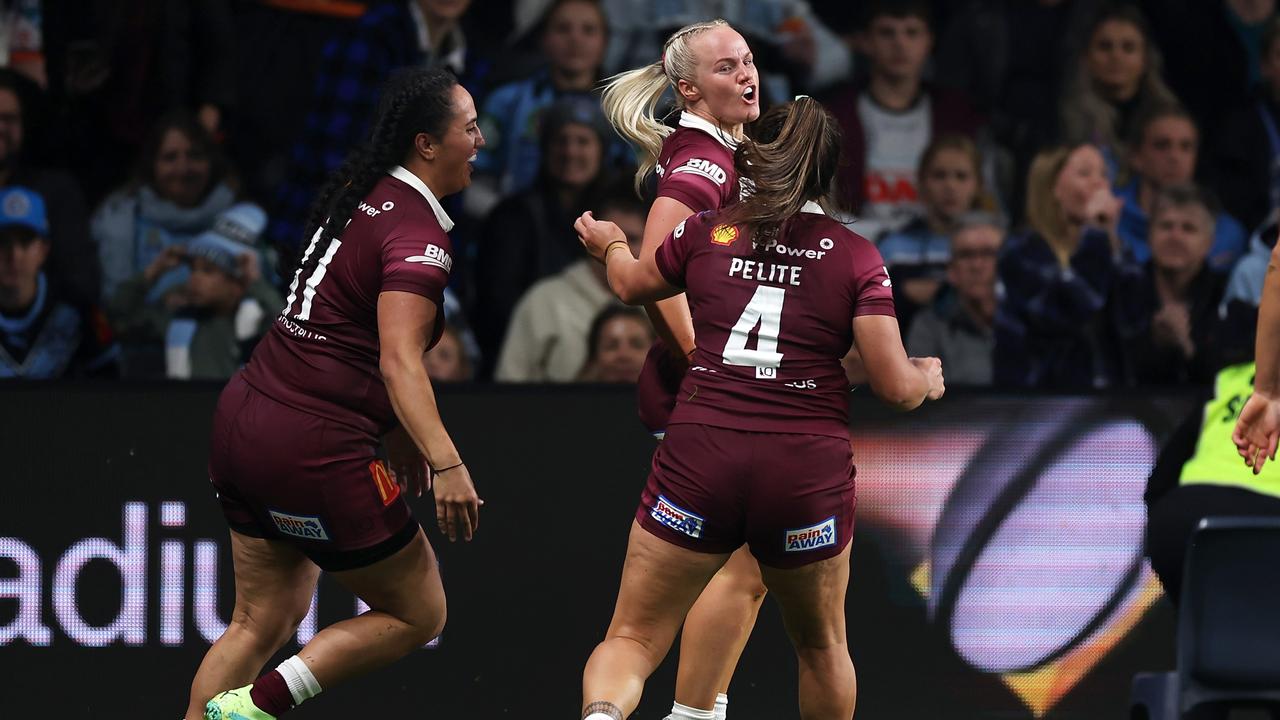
x=676, y=518
x=307, y=527
x=433, y=255
x=813, y=537
x=724, y=235
x=705, y=168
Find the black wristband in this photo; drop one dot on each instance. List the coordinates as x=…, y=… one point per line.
x=447, y=468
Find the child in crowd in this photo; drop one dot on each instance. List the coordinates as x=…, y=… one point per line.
x=226, y=305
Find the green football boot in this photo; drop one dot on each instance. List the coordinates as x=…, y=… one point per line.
x=234, y=705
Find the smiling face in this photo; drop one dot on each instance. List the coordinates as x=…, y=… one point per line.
x=726, y=84
x=455, y=149
x=574, y=155
x=182, y=169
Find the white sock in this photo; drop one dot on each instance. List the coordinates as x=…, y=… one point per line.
x=302, y=684
x=684, y=712
x=722, y=706
x=598, y=716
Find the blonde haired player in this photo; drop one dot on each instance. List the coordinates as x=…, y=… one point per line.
x=711, y=71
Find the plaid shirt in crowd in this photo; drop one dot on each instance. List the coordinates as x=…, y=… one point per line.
x=352, y=73
x=1051, y=328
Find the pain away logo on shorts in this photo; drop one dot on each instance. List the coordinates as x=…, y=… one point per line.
x=388, y=489
x=811, y=538
x=676, y=518
x=307, y=527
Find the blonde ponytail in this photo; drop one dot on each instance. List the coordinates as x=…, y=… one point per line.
x=630, y=99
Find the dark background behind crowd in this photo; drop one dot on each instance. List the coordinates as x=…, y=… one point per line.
x=1068, y=194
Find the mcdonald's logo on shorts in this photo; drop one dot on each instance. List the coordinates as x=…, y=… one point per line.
x=388, y=490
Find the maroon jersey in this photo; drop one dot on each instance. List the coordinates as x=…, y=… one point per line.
x=321, y=356
x=695, y=166
x=772, y=325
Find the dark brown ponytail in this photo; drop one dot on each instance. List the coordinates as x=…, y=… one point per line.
x=796, y=166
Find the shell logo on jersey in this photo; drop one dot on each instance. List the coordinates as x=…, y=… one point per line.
x=433, y=255
x=388, y=489
x=676, y=518
x=724, y=235
x=307, y=527
x=813, y=537
x=705, y=168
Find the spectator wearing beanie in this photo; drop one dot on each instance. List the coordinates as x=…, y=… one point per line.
x=227, y=305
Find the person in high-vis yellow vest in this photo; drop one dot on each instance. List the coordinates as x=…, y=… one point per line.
x=1203, y=467
x=1258, y=429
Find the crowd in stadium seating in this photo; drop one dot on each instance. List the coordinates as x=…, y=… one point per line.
x=1068, y=194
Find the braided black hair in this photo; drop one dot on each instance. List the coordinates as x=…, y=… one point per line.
x=413, y=101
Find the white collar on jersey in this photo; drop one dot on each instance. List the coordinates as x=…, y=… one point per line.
x=400, y=173
x=689, y=120
x=812, y=207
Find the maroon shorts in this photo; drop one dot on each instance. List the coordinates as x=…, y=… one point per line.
x=283, y=474
x=657, y=387
x=789, y=497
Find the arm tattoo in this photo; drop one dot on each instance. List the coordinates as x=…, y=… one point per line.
x=606, y=708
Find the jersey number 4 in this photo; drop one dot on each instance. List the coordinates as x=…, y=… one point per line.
x=764, y=310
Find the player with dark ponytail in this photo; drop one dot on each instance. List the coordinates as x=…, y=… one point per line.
x=757, y=448
x=295, y=435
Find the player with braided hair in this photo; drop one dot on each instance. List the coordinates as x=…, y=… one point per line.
x=292, y=454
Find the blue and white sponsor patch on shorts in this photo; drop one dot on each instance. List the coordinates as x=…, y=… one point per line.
x=677, y=518
x=307, y=527
x=811, y=538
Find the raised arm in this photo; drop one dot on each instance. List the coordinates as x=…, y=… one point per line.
x=405, y=325
x=896, y=379
x=634, y=280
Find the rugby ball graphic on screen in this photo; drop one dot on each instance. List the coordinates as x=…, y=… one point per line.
x=1038, y=545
